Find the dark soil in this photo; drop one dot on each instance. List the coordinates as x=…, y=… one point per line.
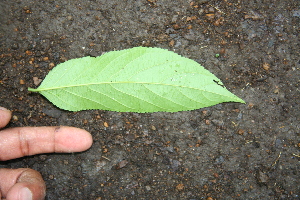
x=228, y=151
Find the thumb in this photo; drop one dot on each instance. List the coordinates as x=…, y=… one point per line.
x=21, y=184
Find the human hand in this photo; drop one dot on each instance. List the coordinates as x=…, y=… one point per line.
x=25, y=183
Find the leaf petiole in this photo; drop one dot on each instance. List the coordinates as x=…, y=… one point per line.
x=33, y=90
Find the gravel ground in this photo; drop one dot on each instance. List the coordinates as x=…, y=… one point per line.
x=228, y=151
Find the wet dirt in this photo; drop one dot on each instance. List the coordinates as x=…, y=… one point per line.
x=228, y=151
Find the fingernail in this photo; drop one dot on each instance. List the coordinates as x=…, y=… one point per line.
x=25, y=194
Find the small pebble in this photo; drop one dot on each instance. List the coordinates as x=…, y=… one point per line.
x=276, y=91
x=262, y=177
x=241, y=132
x=121, y=164
x=22, y=82
x=148, y=188
x=220, y=160
x=174, y=19
x=266, y=66
x=36, y=81
x=180, y=187
x=15, y=118
x=51, y=65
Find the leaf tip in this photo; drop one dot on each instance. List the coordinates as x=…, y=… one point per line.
x=239, y=100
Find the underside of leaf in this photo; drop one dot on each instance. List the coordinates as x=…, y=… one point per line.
x=140, y=79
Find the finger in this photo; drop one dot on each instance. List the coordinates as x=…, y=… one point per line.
x=5, y=116
x=23, y=182
x=19, y=142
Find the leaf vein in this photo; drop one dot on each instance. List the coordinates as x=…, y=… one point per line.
x=163, y=96
x=84, y=98
x=110, y=98
x=137, y=97
x=66, y=102
x=124, y=66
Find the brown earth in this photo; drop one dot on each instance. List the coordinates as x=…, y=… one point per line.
x=228, y=151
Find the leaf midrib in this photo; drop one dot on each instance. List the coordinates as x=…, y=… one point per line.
x=109, y=83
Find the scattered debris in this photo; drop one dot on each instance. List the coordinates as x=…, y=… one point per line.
x=36, y=81
x=121, y=164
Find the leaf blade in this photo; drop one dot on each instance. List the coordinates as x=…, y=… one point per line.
x=134, y=80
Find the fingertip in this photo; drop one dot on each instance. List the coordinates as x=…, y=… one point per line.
x=26, y=191
x=5, y=116
x=71, y=139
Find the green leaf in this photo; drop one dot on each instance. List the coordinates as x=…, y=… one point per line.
x=139, y=79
